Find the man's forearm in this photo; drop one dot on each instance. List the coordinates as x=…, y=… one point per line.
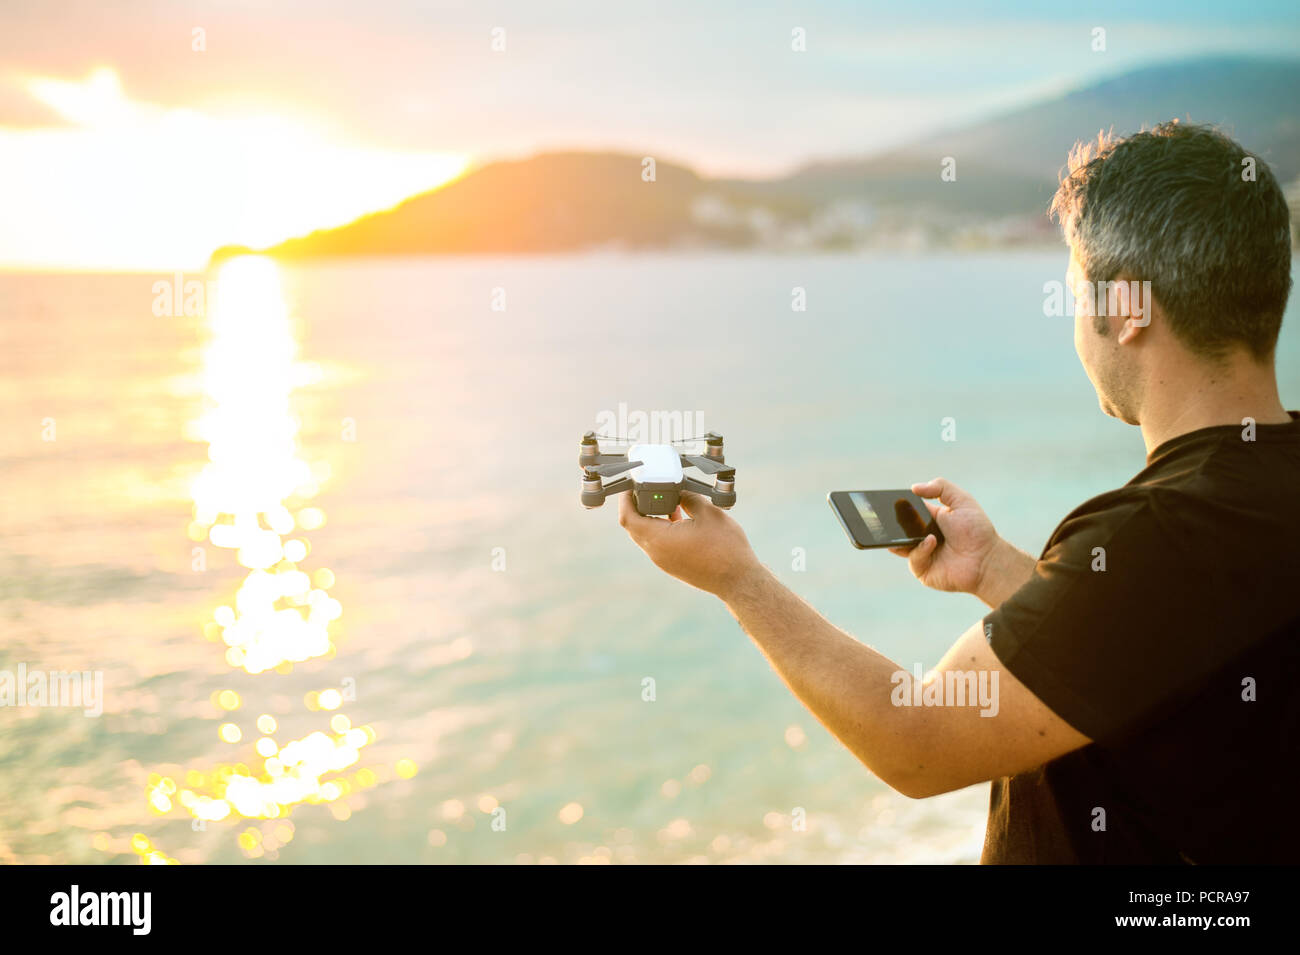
x=1006, y=570
x=844, y=683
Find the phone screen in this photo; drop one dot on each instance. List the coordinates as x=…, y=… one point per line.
x=883, y=518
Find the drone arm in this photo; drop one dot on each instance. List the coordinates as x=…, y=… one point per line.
x=594, y=493
x=723, y=496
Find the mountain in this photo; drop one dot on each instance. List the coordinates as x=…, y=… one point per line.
x=1256, y=102
x=555, y=202
x=1006, y=172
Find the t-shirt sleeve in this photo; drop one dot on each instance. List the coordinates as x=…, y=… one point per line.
x=1101, y=631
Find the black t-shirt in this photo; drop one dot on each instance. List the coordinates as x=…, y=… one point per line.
x=1163, y=622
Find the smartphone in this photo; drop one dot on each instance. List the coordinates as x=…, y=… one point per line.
x=883, y=518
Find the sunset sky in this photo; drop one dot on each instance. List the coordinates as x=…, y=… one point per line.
x=124, y=147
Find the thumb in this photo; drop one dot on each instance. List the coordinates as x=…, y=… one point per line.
x=949, y=494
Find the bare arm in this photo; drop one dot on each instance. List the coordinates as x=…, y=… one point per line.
x=1006, y=571
x=851, y=689
x=856, y=692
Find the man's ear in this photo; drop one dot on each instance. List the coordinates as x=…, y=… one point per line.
x=1129, y=331
x=1132, y=305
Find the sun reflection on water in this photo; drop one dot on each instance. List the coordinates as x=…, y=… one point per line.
x=252, y=497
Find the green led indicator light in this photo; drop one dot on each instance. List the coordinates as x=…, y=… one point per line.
x=659, y=497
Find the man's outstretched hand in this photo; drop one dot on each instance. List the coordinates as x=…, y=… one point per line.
x=700, y=543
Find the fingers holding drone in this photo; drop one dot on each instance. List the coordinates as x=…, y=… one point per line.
x=632, y=520
x=697, y=506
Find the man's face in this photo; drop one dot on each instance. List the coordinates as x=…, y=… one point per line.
x=1109, y=366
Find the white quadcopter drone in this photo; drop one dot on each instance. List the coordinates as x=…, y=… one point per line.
x=657, y=479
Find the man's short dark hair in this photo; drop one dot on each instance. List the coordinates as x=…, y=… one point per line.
x=1188, y=209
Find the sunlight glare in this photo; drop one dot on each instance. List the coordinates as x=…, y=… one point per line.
x=126, y=184
x=250, y=369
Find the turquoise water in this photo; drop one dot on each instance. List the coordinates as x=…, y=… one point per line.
x=449, y=433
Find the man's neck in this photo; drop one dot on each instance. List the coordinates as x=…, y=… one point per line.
x=1192, y=396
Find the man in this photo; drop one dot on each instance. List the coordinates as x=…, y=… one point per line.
x=1147, y=663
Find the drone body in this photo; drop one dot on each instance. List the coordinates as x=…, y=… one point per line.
x=654, y=474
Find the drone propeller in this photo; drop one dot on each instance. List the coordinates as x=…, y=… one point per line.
x=616, y=467
x=707, y=465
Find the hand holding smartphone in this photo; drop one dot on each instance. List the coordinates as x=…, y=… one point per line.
x=883, y=518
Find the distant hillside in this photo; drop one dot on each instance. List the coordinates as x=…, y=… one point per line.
x=555, y=202
x=1255, y=101
x=1007, y=168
